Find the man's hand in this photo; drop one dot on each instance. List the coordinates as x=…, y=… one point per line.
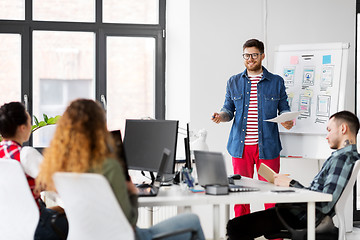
x=288, y=124
x=282, y=180
x=216, y=118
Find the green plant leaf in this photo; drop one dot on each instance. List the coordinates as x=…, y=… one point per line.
x=36, y=121
x=53, y=120
x=45, y=118
x=47, y=121
x=42, y=124
x=57, y=118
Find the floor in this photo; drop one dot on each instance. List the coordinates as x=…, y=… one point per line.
x=354, y=235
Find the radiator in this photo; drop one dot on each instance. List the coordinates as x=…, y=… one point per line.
x=151, y=216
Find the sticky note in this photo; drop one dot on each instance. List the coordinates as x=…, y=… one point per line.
x=326, y=59
x=308, y=93
x=294, y=60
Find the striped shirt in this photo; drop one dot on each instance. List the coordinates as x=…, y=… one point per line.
x=252, y=135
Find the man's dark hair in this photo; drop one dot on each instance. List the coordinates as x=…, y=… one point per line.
x=349, y=118
x=12, y=115
x=254, y=43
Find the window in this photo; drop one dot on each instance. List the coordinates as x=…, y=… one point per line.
x=130, y=74
x=108, y=50
x=130, y=11
x=12, y=9
x=64, y=10
x=63, y=89
x=10, y=67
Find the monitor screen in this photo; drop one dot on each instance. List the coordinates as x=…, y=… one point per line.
x=187, y=148
x=145, y=141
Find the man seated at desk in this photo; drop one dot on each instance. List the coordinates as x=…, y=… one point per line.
x=342, y=130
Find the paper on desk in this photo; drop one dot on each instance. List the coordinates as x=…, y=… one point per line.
x=288, y=116
x=266, y=172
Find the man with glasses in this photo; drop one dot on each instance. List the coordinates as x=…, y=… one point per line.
x=252, y=97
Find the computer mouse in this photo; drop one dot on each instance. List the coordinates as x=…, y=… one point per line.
x=236, y=176
x=231, y=181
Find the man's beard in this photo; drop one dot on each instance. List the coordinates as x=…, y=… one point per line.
x=255, y=67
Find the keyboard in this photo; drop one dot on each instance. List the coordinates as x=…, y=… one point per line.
x=147, y=190
x=240, y=188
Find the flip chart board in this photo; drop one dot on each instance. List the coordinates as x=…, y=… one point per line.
x=315, y=77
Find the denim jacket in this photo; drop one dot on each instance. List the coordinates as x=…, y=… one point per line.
x=272, y=100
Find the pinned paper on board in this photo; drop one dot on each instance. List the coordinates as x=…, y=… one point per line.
x=323, y=105
x=327, y=75
x=326, y=59
x=290, y=98
x=304, y=106
x=308, y=76
x=308, y=93
x=289, y=74
x=294, y=60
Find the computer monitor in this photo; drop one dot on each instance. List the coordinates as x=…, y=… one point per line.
x=187, y=148
x=144, y=143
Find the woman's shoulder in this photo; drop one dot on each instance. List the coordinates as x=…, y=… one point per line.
x=111, y=161
x=111, y=164
x=10, y=149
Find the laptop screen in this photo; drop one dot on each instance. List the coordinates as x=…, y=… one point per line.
x=210, y=167
x=164, y=161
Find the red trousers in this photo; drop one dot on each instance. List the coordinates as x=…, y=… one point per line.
x=245, y=167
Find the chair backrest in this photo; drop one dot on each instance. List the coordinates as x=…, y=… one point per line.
x=91, y=207
x=344, y=201
x=19, y=214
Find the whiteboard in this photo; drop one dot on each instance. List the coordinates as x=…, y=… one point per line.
x=315, y=77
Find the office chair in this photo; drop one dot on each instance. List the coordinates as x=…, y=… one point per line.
x=326, y=229
x=346, y=197
x=92, y=210
x=19, y=214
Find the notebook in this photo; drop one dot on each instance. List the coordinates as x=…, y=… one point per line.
x=147, y=190
x=211, y=170
x=266, y=172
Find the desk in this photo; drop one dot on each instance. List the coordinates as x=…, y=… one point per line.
x=176, y=196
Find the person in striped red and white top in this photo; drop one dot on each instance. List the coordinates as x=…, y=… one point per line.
x=15, y=129
x=252, y=97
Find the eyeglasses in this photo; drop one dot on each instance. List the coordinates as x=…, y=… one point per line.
x=246, y=56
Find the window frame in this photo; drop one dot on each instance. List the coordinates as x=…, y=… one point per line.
x=101, y=30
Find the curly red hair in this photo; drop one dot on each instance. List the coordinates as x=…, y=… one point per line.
x=81, y=142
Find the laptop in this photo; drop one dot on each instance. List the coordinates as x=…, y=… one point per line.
x=147, y=190
x=211, y=170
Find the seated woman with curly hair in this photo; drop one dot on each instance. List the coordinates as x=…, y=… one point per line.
x=83, y=144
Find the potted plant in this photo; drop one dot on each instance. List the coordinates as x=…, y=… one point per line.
x=46, y=122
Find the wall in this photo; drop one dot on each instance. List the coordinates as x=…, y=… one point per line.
x=335, y=24
x=218, y=30
x=178, y=61
x=205, y=50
